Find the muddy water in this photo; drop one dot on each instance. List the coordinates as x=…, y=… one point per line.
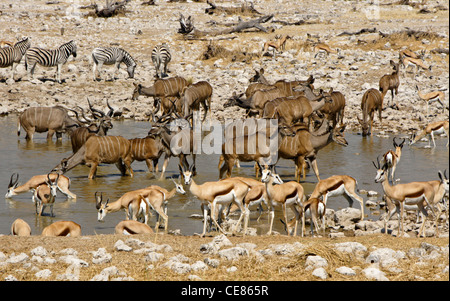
x=40, y=156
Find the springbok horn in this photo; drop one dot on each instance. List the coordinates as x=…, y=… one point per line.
x=13, y=182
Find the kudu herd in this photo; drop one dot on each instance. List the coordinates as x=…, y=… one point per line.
x=307, y=121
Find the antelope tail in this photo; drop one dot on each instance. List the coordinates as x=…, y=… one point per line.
x=18, y=127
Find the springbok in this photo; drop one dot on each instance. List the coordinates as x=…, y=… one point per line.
x=392, y=158
x=211, y=194
x=339, y=185
x=390, y=82
x=324, y=48
x=372, y=101
x=45, y=195
x=62, y=228
x=20, y=228
x=436, y=127
x=441, y=188
x=290, y=194
x=130, y=227
x=278, y=45
x=413, y=193
x=431, y=97
x=313, y=209
x=35, y=181
x=417, y=62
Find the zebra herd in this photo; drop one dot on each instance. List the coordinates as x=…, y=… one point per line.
x=10, y=56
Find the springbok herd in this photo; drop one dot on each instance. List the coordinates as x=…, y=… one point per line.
x=308, y=120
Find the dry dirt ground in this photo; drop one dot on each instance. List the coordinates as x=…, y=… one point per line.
x=365, y=59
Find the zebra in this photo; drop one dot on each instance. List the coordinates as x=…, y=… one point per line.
x=11, y=56
x=112, y=55
x=161, y=57
x=49, y=58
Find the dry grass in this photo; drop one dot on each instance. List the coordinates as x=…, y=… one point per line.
x=272, y=268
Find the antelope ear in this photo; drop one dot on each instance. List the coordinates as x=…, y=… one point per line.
x=441, y=176
x=181, y=169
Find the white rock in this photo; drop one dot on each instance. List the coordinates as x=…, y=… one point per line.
x=39, y=251
x=320, y=273
x=373, y=273
x=154, y=256
x=10, y=278
x=121, y=246
x=199, y=266
x=346, y=271
x=385, y=257
x=233, y=253
x=43, y=274
x=101, y=256
x=22, y=257
x=315, y=261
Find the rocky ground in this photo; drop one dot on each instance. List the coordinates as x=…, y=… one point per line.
x=363, y=60
x=277, y=258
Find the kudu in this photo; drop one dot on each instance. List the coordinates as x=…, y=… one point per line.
x=306, y=145
x=334, y=110
x=162, y=89
x=289, y=110
x=177, y=138
x=148, y=149
x=99, y=126
x=255, y=104
x=390, y=82
x=45, y=119
x=100, y=149
x=195, y=95
x=247, y=147
x=372, y=101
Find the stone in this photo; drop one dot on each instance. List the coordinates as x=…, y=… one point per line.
x=315, y=261
x=346, y=271
x=373, y=273
x=101, y=256
x=121, y=246
x=320, y=273
x=43, y=273
x=233, y=253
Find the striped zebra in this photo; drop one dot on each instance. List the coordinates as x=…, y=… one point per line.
x=11, y=56
x=49, y=58
x=161, y=57
x=112, y=55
